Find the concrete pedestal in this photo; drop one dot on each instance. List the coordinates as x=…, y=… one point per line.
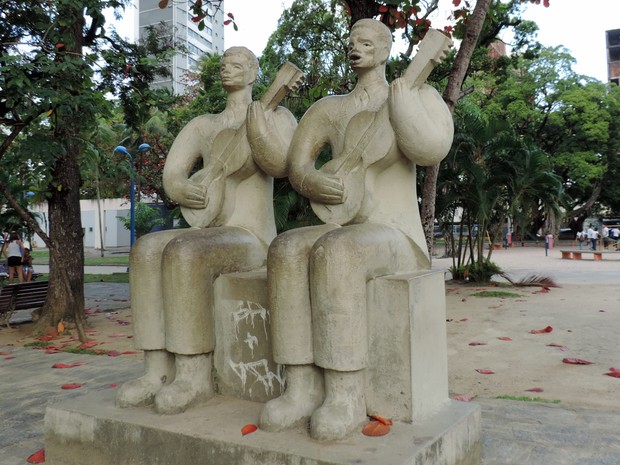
x=406, y=380
x=91, y=430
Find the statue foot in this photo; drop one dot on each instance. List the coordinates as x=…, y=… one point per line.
x=192, y=385
x=158, y=370
x=304, y=393
x=344, y=408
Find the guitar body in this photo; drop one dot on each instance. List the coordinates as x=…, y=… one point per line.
x=231, y=158
x=368, y=138
x=214, y=177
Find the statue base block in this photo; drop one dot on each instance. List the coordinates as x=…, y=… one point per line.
x=91, y=429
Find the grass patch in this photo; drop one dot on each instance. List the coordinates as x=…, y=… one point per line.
x=38, y=344
x=97, y=278
x=77, y=350
x=496, y=294
x=530, y=399
x=42, y=257
x=107, y=278
x=120, y=260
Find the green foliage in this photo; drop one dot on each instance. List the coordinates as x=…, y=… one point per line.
x=496, y=294
x=146, y=219
x=479, y=272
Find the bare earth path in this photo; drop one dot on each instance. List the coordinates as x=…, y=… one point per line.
x=584, y=314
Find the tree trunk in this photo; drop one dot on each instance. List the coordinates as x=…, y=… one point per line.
x=451, y=96
x=66, y=280
x=361, y=9
x=65, y=299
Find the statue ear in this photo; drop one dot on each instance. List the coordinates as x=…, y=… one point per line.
x=252, y=74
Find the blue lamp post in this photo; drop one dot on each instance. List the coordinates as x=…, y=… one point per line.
x=132, y=193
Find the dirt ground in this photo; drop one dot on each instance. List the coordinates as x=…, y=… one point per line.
x=108, y=332
x=495, y=334
x=483, y=334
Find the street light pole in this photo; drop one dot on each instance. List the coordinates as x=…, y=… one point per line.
x=132, y=190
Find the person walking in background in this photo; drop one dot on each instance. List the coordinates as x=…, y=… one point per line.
x=12, y=250
x=581, y=238
x=27, y=269
x=605, y=235
x=592, y=237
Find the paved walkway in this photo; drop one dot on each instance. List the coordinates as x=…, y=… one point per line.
x=514, y=433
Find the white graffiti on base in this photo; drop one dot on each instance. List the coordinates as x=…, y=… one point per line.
x=247, y=311
x=251, y=341
x=260, y=370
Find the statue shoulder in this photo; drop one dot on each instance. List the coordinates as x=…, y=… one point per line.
x=326, y=109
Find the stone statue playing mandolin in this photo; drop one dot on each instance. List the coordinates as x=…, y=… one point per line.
x=367, y=197
x=229, y=203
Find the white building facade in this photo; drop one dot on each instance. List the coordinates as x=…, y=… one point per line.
x=97, y=223
x=178, y=16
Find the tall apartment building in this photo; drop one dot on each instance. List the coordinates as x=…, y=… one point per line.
x=613, y=55
x=178, y=16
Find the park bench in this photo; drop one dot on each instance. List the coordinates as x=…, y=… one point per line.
x=576, y=253
x=22, y=296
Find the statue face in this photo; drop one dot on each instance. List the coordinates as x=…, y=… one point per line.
x=235, y=72
x=366, y=49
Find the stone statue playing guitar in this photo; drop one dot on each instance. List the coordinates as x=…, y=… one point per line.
x=367, y=197
x=229, y=202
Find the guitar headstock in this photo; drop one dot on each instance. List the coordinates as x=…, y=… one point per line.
x=432, y=50
x=434, y=46
x=288, y=79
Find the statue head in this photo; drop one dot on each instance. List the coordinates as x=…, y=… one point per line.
x=369, y=44
x=239, y=68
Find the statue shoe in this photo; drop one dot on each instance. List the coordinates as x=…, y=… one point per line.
x=304, y=393
x=344, y=408
x=192, y=385
x=140, y=392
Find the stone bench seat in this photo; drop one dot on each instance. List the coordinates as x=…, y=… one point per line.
x=575, y=254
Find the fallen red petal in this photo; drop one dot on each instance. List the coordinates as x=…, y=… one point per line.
x=247, y=429
x=504, y=338
x=484, y=371
x=113, y=353
x=614, y=370
x=130, y=352
x=614, y=374
x=9, y=358
x=6, y=352
x=464, y=397
x=69, y=365
x=536, y=389
x=375, y=428
x=560, y=346
x=37, y=457
x=576, y=361
x=548, y=329
x=71, y=386
x=88, y=345
x=385, y=421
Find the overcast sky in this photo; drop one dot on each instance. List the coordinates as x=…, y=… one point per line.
x=570, y=23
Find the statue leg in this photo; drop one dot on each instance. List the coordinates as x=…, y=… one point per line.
x=191, y=263
x=148, y=315
x=341, y=264
x=291, y=328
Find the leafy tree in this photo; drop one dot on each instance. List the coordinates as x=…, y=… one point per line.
x=49, y=103
x=146, y=219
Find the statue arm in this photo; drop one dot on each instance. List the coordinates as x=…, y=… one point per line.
x=269, y=136
x=421, y=121
x=186, y=150
x=309, y=138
